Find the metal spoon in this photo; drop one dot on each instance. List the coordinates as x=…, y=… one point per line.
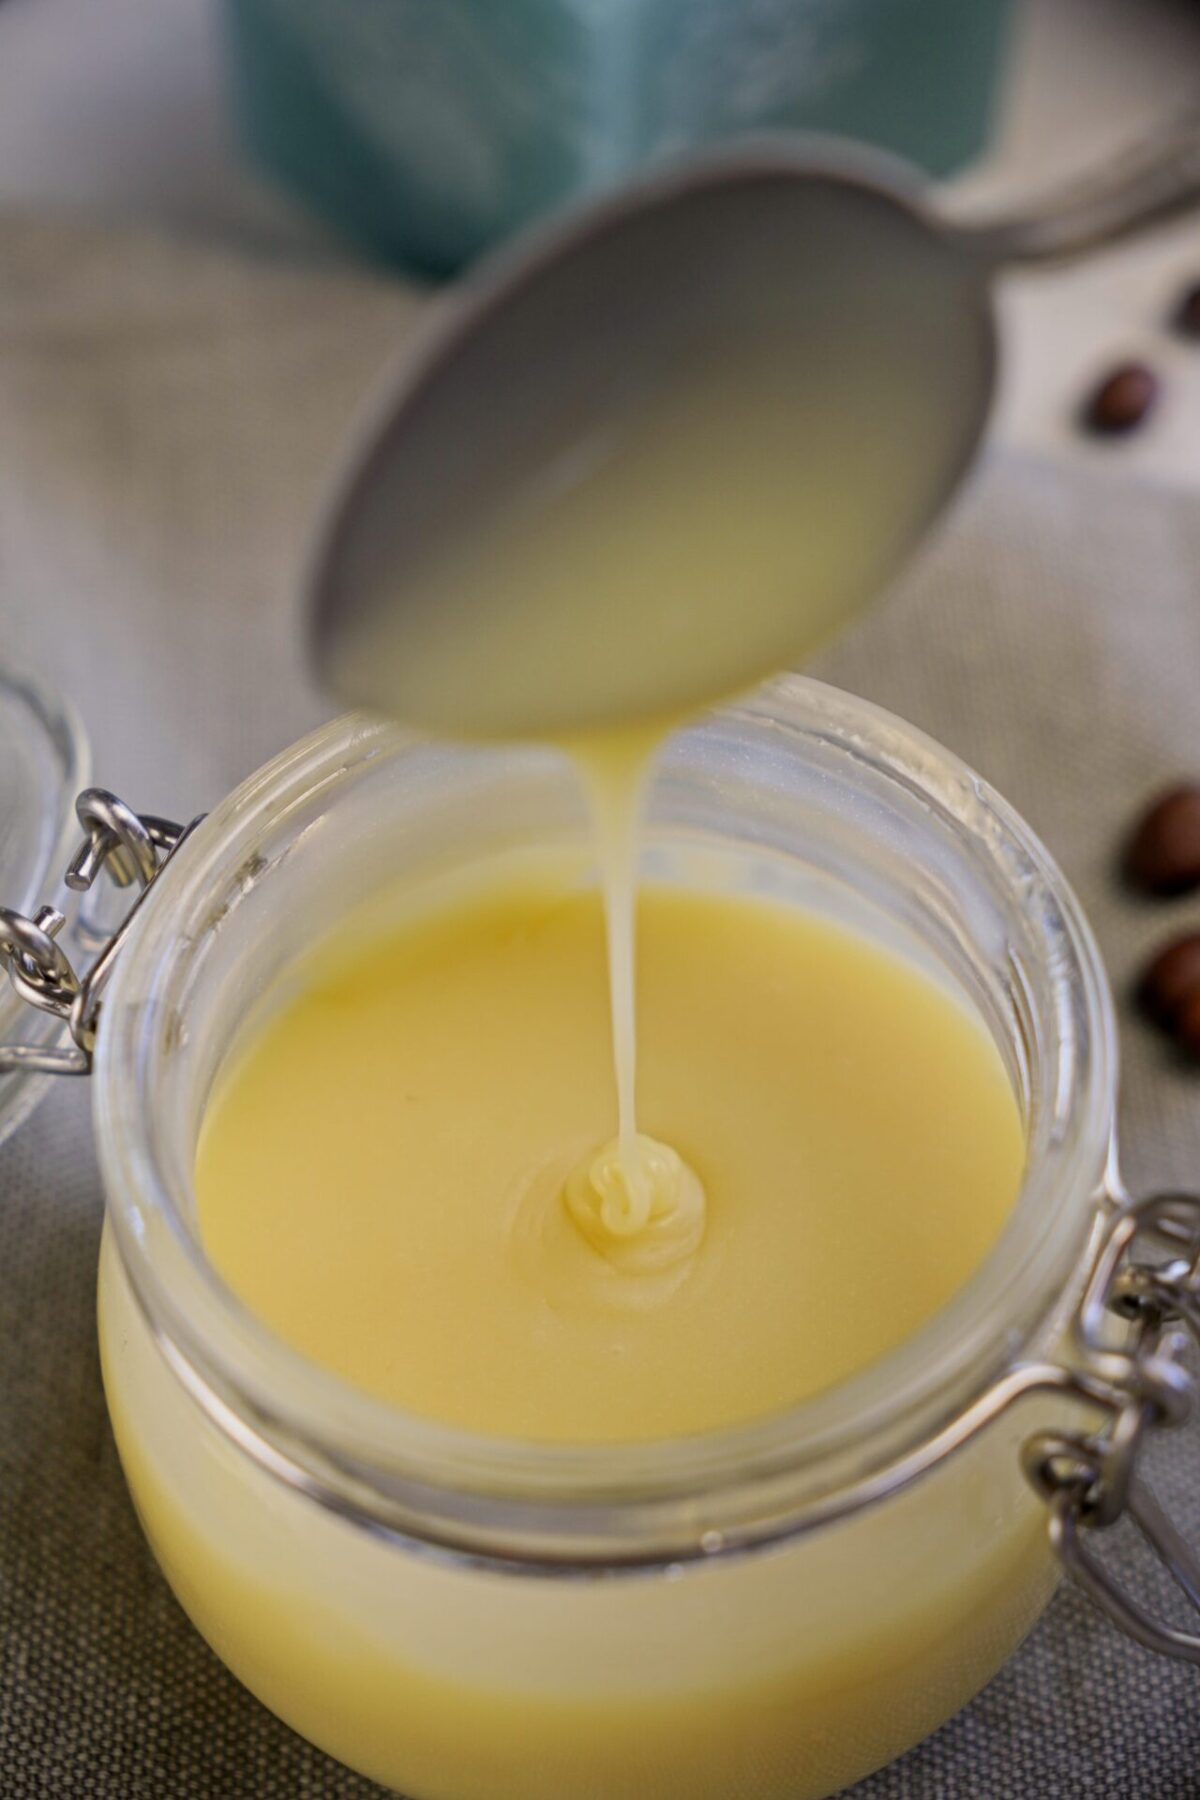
x=827, y=342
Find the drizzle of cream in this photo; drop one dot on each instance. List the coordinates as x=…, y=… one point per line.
x=635, y=1200
x=640, y=1206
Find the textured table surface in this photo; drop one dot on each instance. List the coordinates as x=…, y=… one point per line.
x=165, y=414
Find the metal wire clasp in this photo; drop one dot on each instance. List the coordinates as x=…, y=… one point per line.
x=1090, y=1478
x=132, y=847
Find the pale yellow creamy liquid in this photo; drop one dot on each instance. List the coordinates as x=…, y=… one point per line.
x=381, y=1174
x=643, y=553
x=634, y=1198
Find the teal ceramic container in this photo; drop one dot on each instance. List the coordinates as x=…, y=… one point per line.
x=430, y=129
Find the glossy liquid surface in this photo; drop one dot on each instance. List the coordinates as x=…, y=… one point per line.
x=381, y=1174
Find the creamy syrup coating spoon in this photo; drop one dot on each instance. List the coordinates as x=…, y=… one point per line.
x=665, y=447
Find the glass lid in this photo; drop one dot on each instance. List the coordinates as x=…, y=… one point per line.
x=43, y=765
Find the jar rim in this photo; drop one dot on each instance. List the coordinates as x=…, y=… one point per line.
x=589, y=1505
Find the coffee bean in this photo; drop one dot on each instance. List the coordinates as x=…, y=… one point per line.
x=1163, y=855
x=1122, y=401
x=1186, y=1030
x=1171, y=979
x=1187, y=315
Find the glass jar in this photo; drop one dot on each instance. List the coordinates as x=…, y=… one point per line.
x=765, y=1611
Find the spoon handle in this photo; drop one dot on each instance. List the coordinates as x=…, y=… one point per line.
x=1147, y=183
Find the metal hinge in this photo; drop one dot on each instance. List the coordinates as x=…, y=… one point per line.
x=1090, y=1479
x=133, y=848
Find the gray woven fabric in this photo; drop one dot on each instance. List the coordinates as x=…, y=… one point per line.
x=165, y=412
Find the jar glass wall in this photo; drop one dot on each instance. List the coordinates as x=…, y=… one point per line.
x=770, y=1610
x=44, y=761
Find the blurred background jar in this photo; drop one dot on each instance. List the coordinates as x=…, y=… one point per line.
x=429, y=130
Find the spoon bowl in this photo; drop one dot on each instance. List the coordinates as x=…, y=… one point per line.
x=657, y=452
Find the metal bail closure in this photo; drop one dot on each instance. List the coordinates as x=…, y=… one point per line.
x=132, y=847
x=1147, y=1274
